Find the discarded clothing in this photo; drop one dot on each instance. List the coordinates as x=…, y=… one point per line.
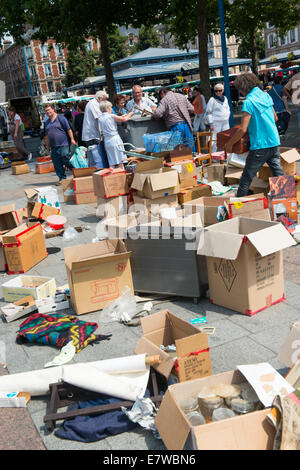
x=58, y=330
x=94, y=428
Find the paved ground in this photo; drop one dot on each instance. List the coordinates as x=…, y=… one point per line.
x=238, y=339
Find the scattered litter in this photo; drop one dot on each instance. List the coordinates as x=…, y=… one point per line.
x=66, y=355
x=143, y=412
x=70, y=234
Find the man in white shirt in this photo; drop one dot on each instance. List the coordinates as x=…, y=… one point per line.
x=139, y=103
x=293, y=89
x=91, y=132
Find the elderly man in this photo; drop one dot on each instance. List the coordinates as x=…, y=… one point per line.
x=139, y=103
x=259, y=118
x=175, y=108
x=294, y=85
x=91, y=132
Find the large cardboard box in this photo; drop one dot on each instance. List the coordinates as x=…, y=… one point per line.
x=97, y=274
x=110, y=183
x=40, y=211
x=192, y=351
x=20, y=169
x=288, y=158
x=244, y=263
x=39, y=287
x=241, y=146
x=251, y=207
x=252, y=431
x=186, y=172
x=152, y=180
x=24, y=247
x=290, y=351
x=195, y=192
x=9, y=218
x=84, y=185
x=208, y=208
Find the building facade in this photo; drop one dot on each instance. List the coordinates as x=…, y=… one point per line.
x=275, y=45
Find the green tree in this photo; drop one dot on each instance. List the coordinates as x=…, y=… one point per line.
x=116, y=46
x=81, y=64
x=245, y=18
x=148, y=37
x=244, y=50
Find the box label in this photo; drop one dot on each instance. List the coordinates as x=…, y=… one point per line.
x=101, y=291
x=265, y=270
x=193, y=367
x=227, y=272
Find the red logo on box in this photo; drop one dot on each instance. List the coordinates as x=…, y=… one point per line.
x=120, y=267
x=104, y=290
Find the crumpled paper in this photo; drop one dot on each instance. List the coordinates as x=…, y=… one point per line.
x=143, y=412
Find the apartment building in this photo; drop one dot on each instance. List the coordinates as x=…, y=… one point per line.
x=275, y=45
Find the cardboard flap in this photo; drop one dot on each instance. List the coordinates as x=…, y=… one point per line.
x=6, y=209
x=171, y=424
x=189, y=344
x=30, y=193
x=138, y=181
x=167, y=179
x=167, y=363
x=290, y=155
x=219, y=244
x=94, y=251
x=271, y=239
x=149, y=165
x=154, y=322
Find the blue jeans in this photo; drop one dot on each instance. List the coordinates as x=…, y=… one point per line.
x=186, y=133
x=254, y=161
x=59, y=158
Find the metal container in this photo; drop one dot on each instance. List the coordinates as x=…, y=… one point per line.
x=163, y=265
x=133, y=130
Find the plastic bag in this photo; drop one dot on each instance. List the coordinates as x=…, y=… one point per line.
x=78, y=159
x=121, y=309
x=70, y=234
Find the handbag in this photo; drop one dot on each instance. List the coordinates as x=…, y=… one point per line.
x=205, y=114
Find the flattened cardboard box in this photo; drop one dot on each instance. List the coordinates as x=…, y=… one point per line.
x=97, y=274
x=244, y=263
x=152, y=180
x=207, y=206
x=164, y=328
x=110, y=183
x=290, y=351
x=24, y=247
x=251, y=431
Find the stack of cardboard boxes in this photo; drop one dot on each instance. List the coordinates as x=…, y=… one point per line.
x=111, y=190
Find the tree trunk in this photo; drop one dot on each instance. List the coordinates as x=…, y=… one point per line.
x=102, y=34
x=253, y=46
x=203, y=52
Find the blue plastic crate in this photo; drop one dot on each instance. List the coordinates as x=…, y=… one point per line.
x=162, y=141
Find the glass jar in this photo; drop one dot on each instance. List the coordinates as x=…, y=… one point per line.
x=241, y=406
x=222, y=413
x=248, y=393
x=189, y=404
x=195, y=418
x=209, y=404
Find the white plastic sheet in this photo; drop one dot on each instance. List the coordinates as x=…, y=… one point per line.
x=125, y=378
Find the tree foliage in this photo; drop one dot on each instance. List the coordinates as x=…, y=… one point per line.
x=147, y=37
x=81, y=64
x=244, y=50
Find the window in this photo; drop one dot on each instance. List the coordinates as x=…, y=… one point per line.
x=61, y=68
x=29, y=53
x=32, y=71
x=36, y=89
x=45, y=52
x=50, y=87
x=59, y=50
x=130, y=39
x=293, y=35
x=47, y=70
x=271, y=40
x=89, y=45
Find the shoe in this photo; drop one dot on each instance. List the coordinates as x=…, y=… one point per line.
x=29, y=157
x=58, y=183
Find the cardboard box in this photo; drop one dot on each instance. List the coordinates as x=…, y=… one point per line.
x=145, y=205
x=16, y=310
x=44, y=194
x=259, y=186
x=110, y=183
x=290, y=351
x=179, y=153
x=40, y=211
x=241, y=146
x=253, y=208
x=282, y=186
x=97, y=274
x=251, y=431
x=112, y=207
x=9, y=218
x=284, y=206
x=68, y=190
x=39, y=287
x=3, y=263
x=207, y=206
x=194, y=193
x=83, y=184
x=233, y=175
x=164, y=328
x=215, y=172
x=24, y=247
x=44, y=167
x=20, y=169
x=152, y=180
x=244, y=263
x=186, y=172
x=288, y=158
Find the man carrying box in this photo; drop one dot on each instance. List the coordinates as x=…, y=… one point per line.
x=259, y=119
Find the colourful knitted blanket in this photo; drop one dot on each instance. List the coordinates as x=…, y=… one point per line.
x=58, y=330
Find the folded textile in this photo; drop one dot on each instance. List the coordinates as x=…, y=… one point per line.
x=57, y=330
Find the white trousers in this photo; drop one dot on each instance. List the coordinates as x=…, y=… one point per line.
x=219, y=126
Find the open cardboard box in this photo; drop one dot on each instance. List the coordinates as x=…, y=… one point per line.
x=186, y=172
x=40, y=211
x=9, y=218
x=251, y=431
x=164, y=328
x=110, y=183
x=244, y=263
x=39, y=287
x=152, y=180
x=153, y=206
x=97, y=274
x=288, y=158
x=251, y=207
x=207, y=206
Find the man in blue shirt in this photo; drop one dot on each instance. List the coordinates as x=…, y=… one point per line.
x=59, y=137
x=259, y=118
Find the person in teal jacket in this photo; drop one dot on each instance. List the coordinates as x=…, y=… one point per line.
x=259, y=118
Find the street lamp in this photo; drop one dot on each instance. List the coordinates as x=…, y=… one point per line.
x=225, y=60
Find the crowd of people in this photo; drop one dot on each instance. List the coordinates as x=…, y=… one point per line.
x=94, y=123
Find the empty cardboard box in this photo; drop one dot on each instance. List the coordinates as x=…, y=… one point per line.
x=207, y=206
x=97, y=274
x=24, y=247
x=9, y=218
x=244, y=263
x=110, y=183
x=39, y=287
x=153, y=180
x=192, y=351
